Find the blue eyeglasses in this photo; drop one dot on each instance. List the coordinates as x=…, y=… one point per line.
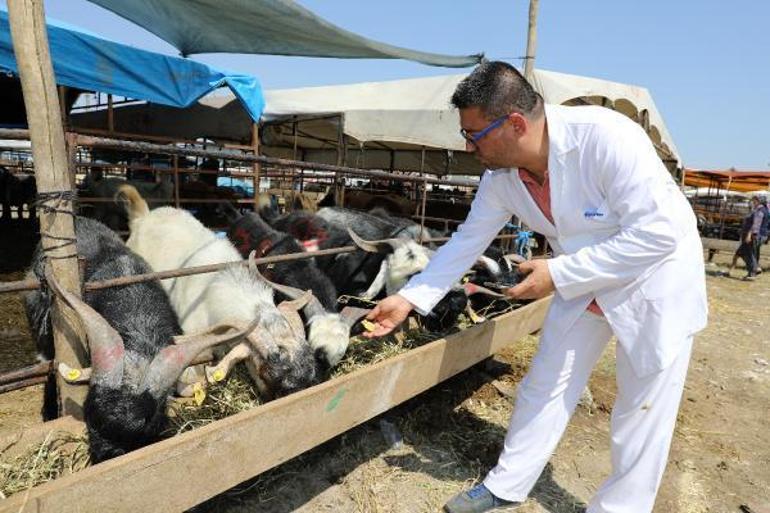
x=475, y=137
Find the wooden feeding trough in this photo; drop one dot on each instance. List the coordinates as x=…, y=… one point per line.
x=180, y=472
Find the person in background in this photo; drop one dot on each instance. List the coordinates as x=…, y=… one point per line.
x=750, y=235
x=627, y=261
x=764, y=229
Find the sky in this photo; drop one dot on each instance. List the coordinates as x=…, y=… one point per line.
x=705, y=62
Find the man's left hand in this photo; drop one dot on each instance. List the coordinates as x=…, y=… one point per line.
x=537, y=284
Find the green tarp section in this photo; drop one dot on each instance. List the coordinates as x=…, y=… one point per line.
x=272, y=27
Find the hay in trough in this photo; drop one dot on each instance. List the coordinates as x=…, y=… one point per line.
x=61, y=453
x=234, y=395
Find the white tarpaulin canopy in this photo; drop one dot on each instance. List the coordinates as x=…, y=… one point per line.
x=386, y=124
x=417, y=111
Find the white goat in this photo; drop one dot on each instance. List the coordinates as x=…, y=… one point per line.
x=170, y=238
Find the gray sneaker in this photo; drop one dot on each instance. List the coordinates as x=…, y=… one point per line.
x=477, y=500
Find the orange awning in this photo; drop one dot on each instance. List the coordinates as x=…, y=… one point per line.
x=732, y=180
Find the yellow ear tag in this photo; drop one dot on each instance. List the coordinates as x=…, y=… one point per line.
x=199, y=394
x=368, y=325
x=73, y=374
x=466, y=279
x=218, y=375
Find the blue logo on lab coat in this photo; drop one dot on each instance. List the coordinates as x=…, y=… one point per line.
x=592, y=212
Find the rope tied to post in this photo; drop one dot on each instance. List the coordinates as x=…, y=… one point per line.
x=52, y=203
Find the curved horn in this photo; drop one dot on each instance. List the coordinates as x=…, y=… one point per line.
x=387, y=246
x=294, y=320
x=105, y=344
x=167, y=365
x=471, y=289
x=351, y=314
x=313, y=306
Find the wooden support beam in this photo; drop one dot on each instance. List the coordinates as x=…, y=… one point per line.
x=256, y=166
x=529, y=60
x=178, y=473
x=57, y=228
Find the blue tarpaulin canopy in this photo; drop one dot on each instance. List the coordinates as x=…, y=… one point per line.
x=90, y=63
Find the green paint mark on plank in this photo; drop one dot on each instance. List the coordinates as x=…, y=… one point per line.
x=335, y=401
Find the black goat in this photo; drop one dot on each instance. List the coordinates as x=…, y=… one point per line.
x=17, y=190
x=130, y=332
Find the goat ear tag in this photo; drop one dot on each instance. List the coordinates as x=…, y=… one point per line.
x=368, y=325
x=199, y=394
x=218, y=375
x=73, y=374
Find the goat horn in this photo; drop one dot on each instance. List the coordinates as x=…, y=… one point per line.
x=387, y=246
x=222, y=369
x=471, y=289
x=169, y=364
x=351, y=314
x=289, y=311
x=313, y=306
x=105, y=344
x=218, y=329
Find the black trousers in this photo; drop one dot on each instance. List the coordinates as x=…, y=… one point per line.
x=746, y=251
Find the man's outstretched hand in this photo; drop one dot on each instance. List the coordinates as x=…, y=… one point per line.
x=389, y=313
x=537, y=284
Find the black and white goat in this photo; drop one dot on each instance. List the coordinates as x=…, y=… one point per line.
x=328, y=332
x=130, y=331
x=369, y=274
x=280, y=360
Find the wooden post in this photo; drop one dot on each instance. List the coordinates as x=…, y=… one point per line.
x=529, y=61
x=30, y=44
x=255, y=169
x=176, y=180
x=71, y=140
x=110, y=114
x=63, y=105
x=422, y=208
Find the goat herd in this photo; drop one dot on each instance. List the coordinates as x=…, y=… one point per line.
x=282, y=320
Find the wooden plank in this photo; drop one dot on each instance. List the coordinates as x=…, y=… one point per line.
x=719, y=244
x=57, y=227
x=18, y=442
x=178, y=473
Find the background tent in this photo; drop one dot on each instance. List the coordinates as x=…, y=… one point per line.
x=385, y=125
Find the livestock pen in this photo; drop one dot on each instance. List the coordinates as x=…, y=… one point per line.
x=333, y=406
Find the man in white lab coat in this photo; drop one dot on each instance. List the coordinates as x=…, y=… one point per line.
x=627, y=260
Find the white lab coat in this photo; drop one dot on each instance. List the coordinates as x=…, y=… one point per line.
x=623, y=233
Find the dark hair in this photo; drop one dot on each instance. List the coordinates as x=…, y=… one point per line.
x=497, y=88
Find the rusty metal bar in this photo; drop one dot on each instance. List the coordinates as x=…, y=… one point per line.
x=24, y=285
x=106, y=142
x=16, y=385
x=30, y=371
x=38, y=373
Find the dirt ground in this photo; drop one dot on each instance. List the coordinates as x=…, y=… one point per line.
x=413, y=458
